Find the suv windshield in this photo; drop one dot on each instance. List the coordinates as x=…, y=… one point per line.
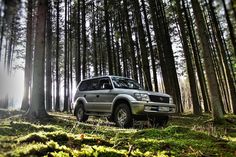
x=126, y=83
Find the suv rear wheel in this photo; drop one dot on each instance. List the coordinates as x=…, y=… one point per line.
x=122, y=116
x=80, y=113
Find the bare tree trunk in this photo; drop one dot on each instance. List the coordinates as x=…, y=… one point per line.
x=49, y=59
x=188, y=56
x=37, y=107
x=223, y=56
x=197, y=59
x=143, y=45
x=140, y=72
x=131, y=42
x=28, y=58
x=209, y=66
x=94, y=41
x=108, y=42
x=57, y=106
x=77, y=52
x=231, y=29
x=66, y=59
x=150, y=47
x=84, y=40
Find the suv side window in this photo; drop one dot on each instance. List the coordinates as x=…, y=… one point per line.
x=103, y=83
x=93, y=84
x=84, y=86
x=89, y=85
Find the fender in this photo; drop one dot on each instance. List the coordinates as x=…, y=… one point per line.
x=125, y=97
x=79, y=99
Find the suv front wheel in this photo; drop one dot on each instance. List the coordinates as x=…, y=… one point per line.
x=80, y=113
x=123, y=116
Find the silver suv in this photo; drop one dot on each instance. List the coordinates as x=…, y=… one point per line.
x=121, y=100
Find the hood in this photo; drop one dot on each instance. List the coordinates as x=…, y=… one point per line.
x=157, y=94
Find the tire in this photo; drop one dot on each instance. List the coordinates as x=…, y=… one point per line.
x=80, y=113
x=159, y=121
x=122, y=116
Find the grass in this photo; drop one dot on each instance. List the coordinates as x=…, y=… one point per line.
x=62, y=136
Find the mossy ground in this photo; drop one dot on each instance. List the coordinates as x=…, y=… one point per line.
x=61, y=136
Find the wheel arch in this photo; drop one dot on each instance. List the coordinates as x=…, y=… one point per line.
x=77, y=101
x=119, y=101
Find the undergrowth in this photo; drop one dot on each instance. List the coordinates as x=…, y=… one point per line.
x=62, y=136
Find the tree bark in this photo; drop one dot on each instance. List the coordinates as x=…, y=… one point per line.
x=150, y=47
x=197, y=60
x=209, y=66
x=166, y=53
x=84, y=40
x=223, y=57
x=66, y=59
x=130, y=40
x=231, y=29
x=49, y=59
x=28, y=58
x=57, y=106
x=143, y=45
x=37, y=107
x=108, y=40
x=77, y=52
x=191, y=74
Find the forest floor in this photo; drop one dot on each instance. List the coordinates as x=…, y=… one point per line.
x=61, y=136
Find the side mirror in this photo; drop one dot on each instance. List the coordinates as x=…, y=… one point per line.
x=107, y=86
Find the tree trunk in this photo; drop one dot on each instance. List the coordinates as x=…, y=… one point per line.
x=28, y=59
x=94, y=41
x=231, y=29
x=108, y=42
x=49, y=59
x=77, y=52
x=139, y=59
x=197, y=59
x=131, y=42
x=209, y=66
x=223, y=56
x=37, y=107
x=66, y=59
x=191, y=74
x=166, y=53
x=233, y=7
x=57, y=106
x=2, y=34
x=159, y=44
x=150, y=47
x=143, y=45
x=84, y=40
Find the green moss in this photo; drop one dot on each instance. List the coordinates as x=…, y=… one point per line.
x=58, y=154
x=40, y=149
x=33, y=137
x=186, y=135
x=58, y=136
x=101, y=151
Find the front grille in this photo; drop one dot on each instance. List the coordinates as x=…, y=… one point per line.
x=155, y=98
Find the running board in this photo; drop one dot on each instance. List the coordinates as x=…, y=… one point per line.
x=98, y=114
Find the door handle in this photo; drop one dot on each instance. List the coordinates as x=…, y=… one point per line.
x=97, y=96
x=85, y=96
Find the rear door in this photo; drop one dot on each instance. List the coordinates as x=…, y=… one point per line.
x=90, y=94
x=104, y=95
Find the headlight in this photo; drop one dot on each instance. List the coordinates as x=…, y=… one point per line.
x=141, y=96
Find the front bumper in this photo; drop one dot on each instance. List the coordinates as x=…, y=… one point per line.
x=151, y=108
